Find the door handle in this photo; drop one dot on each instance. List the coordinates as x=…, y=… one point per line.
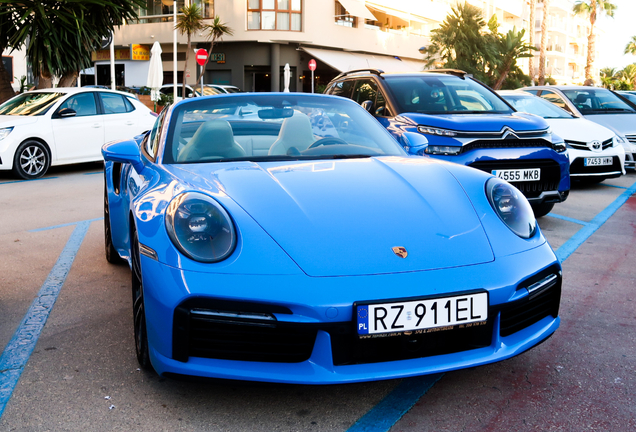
x=130, y=123
x=97, y=125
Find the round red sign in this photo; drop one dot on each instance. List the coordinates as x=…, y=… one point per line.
x=312, y=65
x=202, y=55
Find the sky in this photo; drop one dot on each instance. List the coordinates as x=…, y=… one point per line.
x=617, y=33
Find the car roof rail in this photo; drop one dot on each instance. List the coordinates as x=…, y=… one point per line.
x=456, y=72
x=370, y=70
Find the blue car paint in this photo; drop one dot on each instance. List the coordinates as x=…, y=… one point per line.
x=263, y=271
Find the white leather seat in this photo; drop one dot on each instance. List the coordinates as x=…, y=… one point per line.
x=295, y=132
x=214, y=138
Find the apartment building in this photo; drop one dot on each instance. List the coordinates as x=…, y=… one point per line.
x=566, y=52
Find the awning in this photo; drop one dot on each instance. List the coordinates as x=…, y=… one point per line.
x=406, y=16
x=345, y=61
x=358, y=9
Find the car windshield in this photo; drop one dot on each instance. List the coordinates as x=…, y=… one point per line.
x=30, y=104
x=207, y=90
x=597, y=101
x=259, y=128
x=629, y=96
x=537, y=106
x=443, y=95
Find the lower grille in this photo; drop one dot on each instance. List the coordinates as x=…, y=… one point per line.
x=531, y=309
x=578, y=167
x=550, y=174
x=349, y=349
x=200, y=330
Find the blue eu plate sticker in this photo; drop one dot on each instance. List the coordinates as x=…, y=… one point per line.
x=363, y=319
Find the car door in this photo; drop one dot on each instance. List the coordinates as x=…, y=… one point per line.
x=78, y=138
x=121, y=120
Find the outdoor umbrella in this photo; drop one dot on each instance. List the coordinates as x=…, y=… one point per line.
x=155, y=73
x=287, y=75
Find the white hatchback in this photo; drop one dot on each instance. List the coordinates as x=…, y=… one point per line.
x=59, y=126
x=595, y=151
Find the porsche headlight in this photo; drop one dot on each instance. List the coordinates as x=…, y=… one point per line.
x=512, y=207
x=200, y=227
x=4, y=132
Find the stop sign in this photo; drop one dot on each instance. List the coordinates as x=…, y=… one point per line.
x=202, y=56
x=312, y=65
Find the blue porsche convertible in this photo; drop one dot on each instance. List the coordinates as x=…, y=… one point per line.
x=289, y=238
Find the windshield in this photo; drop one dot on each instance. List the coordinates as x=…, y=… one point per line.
x=273, y=127
x=443, y=95
x=597, y=101
x=207, y=90
x=629, y=96
x=30, y=104
x=537, y=106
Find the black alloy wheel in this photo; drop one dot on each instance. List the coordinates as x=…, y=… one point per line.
x=31, y=160
x=139, y=310
x=111, y=253
x=542, y=209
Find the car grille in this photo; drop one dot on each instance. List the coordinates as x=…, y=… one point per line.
x=531, y=309
x=631, y=138
x=583, y=146
x=201, y=331
x=550, y=174
x=578, y=167
x=514, y=143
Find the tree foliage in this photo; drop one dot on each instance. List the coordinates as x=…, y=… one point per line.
x=615, y=79
x=189, y=22
x=630, y=48
x=215, y=32
x=60, y=36
x=465, y=41
x=591, y=9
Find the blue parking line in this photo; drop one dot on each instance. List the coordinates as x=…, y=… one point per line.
x=93, y=173
x=19, y=349
x=64, y=225
x=614, y=186
x=401, y=399
x=22, y=181
x=568, y=219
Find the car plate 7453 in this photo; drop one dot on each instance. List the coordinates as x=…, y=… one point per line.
x=421, y=316
x=517, y=175
x=596, y=161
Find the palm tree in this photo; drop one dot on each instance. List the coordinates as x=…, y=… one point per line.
x=544, y=40
x=189, y=22
x=608, y=77
x=216, y=31
x=533, y=4
x=592, y=8
x=511, y=47
x=630, y=48
x=628, y=76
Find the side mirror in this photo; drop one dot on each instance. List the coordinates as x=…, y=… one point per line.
x=124, y=152
x=367, y=105
x=66, y=112
x=413, y=142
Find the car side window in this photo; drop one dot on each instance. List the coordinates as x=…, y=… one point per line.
x=83, y=104
x=555, y=99
x=342, y=88
x=381, y=107
x=152, y=142
x=115, y=104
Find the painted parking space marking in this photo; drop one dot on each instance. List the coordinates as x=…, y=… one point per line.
x=65, y=225
x=22, y=181
x=19, y=349
x=401, y=399
x=567, y=219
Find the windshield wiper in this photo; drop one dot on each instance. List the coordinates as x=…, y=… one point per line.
x=347, y=156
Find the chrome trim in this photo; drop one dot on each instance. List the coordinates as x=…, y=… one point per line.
x=146, y=251
x=243, y=318
x=597, y=174
x=544, y=195
x=538, y=287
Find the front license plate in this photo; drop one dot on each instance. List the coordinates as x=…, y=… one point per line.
x=531, y=174
x=421, y=316
x=598, y=161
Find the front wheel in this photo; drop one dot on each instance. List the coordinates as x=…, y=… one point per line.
x=139, y=310
x=542, y=209
x=31, y=160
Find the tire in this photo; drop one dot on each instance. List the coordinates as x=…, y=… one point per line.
x=542, y=209
x=31, y=160
x=111, y=253
x=139, y=310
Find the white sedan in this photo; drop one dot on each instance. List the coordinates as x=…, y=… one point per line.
x=59, y=126
x=595, y=151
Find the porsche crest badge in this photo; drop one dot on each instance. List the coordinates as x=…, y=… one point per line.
x=400, y=251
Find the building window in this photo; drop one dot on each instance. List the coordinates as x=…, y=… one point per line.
x=274, y=15
x=343, y=17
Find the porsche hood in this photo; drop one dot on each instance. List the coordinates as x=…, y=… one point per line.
x=359, y=216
